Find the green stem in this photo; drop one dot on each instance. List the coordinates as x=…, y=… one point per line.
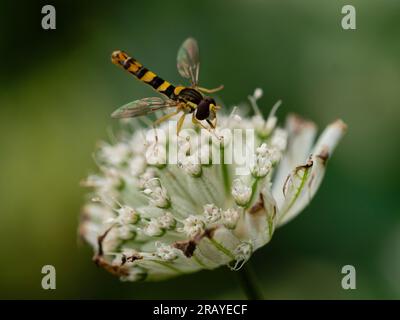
x=225, y=172
x=248, y=283
x=254, y=186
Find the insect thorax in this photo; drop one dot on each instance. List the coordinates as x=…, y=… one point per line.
x=190, y=95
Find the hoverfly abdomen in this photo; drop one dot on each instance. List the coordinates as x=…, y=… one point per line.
x=156, y=82
x=134, y=67
x=121, y=59
x=142, y=72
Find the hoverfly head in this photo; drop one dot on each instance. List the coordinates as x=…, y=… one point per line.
x=206, y=109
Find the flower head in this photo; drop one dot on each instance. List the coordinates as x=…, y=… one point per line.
x=154, y=218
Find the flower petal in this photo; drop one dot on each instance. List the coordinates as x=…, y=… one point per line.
x=258, y=222
x=302, y=184
x=301, y=135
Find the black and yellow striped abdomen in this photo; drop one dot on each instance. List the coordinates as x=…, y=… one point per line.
x=134, y=67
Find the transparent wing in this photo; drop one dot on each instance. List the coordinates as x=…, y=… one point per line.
x=142, y=107
x=188, y=60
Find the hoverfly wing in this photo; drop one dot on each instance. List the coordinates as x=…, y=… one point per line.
x=142, y=107
x=188, y=60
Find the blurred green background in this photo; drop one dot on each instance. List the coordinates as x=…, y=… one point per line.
x=58, y=88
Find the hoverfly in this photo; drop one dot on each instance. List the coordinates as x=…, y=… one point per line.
x=185, y=100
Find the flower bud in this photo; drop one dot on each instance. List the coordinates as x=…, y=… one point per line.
x=230, y=218
x=193, y=226
x=212, y=213
x=241, y=193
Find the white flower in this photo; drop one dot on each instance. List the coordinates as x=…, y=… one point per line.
x=137, y=165
x=153, y=228
x=166, y=252
x=167, y=221
x=264, y=128
x=115, y=154
x=211, y=213
x=156, y=154
x=261, y=167
x=230, y=217
x=112, y=240
x=262, y=150
x=127, y=215
x=279, y=139
x=105, y=183
x=270, y=155
x=236, y=118
x=193, y=226
x=148, y=175
x=191, y=165
x=241, y=192
x=156, y=193
x=242, y=253
x=125, y=232
x=258, y=93
x=154, y=220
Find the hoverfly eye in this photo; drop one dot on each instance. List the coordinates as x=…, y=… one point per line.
x=203, y=109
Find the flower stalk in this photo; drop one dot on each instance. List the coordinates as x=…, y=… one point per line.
x=248, y=283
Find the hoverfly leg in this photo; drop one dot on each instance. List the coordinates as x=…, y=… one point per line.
x=205, y=90
x=214, y=122
x=197, y=122
x=165, y=117
x=162, y=119
x=180, y=123
x=211, y=129
x=210, y=123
